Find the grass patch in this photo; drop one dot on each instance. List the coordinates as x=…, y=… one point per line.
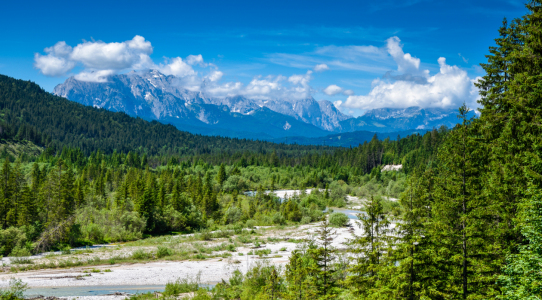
x=141, y=254
x=182, y=285
x=262, y=252
x=163, y=252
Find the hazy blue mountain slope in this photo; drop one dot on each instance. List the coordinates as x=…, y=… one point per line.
x=346, y=139
x=396, y=119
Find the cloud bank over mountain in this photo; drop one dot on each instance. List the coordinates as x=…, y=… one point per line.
x=450, y=87
x=403, y=83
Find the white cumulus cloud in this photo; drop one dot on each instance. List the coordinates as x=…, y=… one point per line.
x=450, y=87
x=264, y=88
x=321, y=68
x=338, y=103
x=98, y=55
x=99, y=60
x=94, y=76
x=177, y=67
x=215, y=75
x=332, y=90
x=194, y=59
x=57, y=61
x=405, y=62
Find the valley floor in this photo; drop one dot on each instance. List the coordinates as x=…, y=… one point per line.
x=279, y=243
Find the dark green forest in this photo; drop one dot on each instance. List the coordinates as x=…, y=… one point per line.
x=467, y=225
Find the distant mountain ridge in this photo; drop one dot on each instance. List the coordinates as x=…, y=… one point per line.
x=346, y=139
x=152, y=95
x=401, y=119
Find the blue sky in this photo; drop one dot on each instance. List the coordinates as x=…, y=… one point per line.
x=370, y=53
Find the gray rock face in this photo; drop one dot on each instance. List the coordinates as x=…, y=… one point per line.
x=150, y=95
x=322, y=114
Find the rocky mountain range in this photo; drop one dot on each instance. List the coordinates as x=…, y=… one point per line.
x=152, y=95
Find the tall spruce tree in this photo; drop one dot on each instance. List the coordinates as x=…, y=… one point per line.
x=369, y=249
x=468, y=253
x=415, y=274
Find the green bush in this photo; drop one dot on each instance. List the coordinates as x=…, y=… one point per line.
x=102, y=225
x=204, y=235
x=279, y=219
x=338, y=219
x=250, y=223
x=232, y=215
x=140, y=254
x=10, y=238
x=21, y=255
x=305, y=220
x=15, y=291
x=163, y=252
x=66, y=250
x=262, y=252
x=20, y=252
x=182, y=285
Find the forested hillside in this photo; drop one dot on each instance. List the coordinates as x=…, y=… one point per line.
x=28, y=112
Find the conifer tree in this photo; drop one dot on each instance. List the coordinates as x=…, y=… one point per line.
x=461, y=215
x=148, y=203
x=369, y=248
x=5, y=191
x=299, y=284
x=323, y=256
x=221, y=176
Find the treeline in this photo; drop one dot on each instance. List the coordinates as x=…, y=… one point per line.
x=411, y=151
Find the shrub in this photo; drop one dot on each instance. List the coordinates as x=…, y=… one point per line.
x=262, y=252
x=182, y=285
x=140, y=254
x=305, y=220
x=251, y=223
x=15, y=291
x=20, y=252
x=66, y=250
x=10, y=238
x=163, y=252
x=204, y=235
x=102, y=225
x=223, y=233
x=279, y=219
x=338, y=219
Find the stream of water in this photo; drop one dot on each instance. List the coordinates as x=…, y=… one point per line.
x=64, y=291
